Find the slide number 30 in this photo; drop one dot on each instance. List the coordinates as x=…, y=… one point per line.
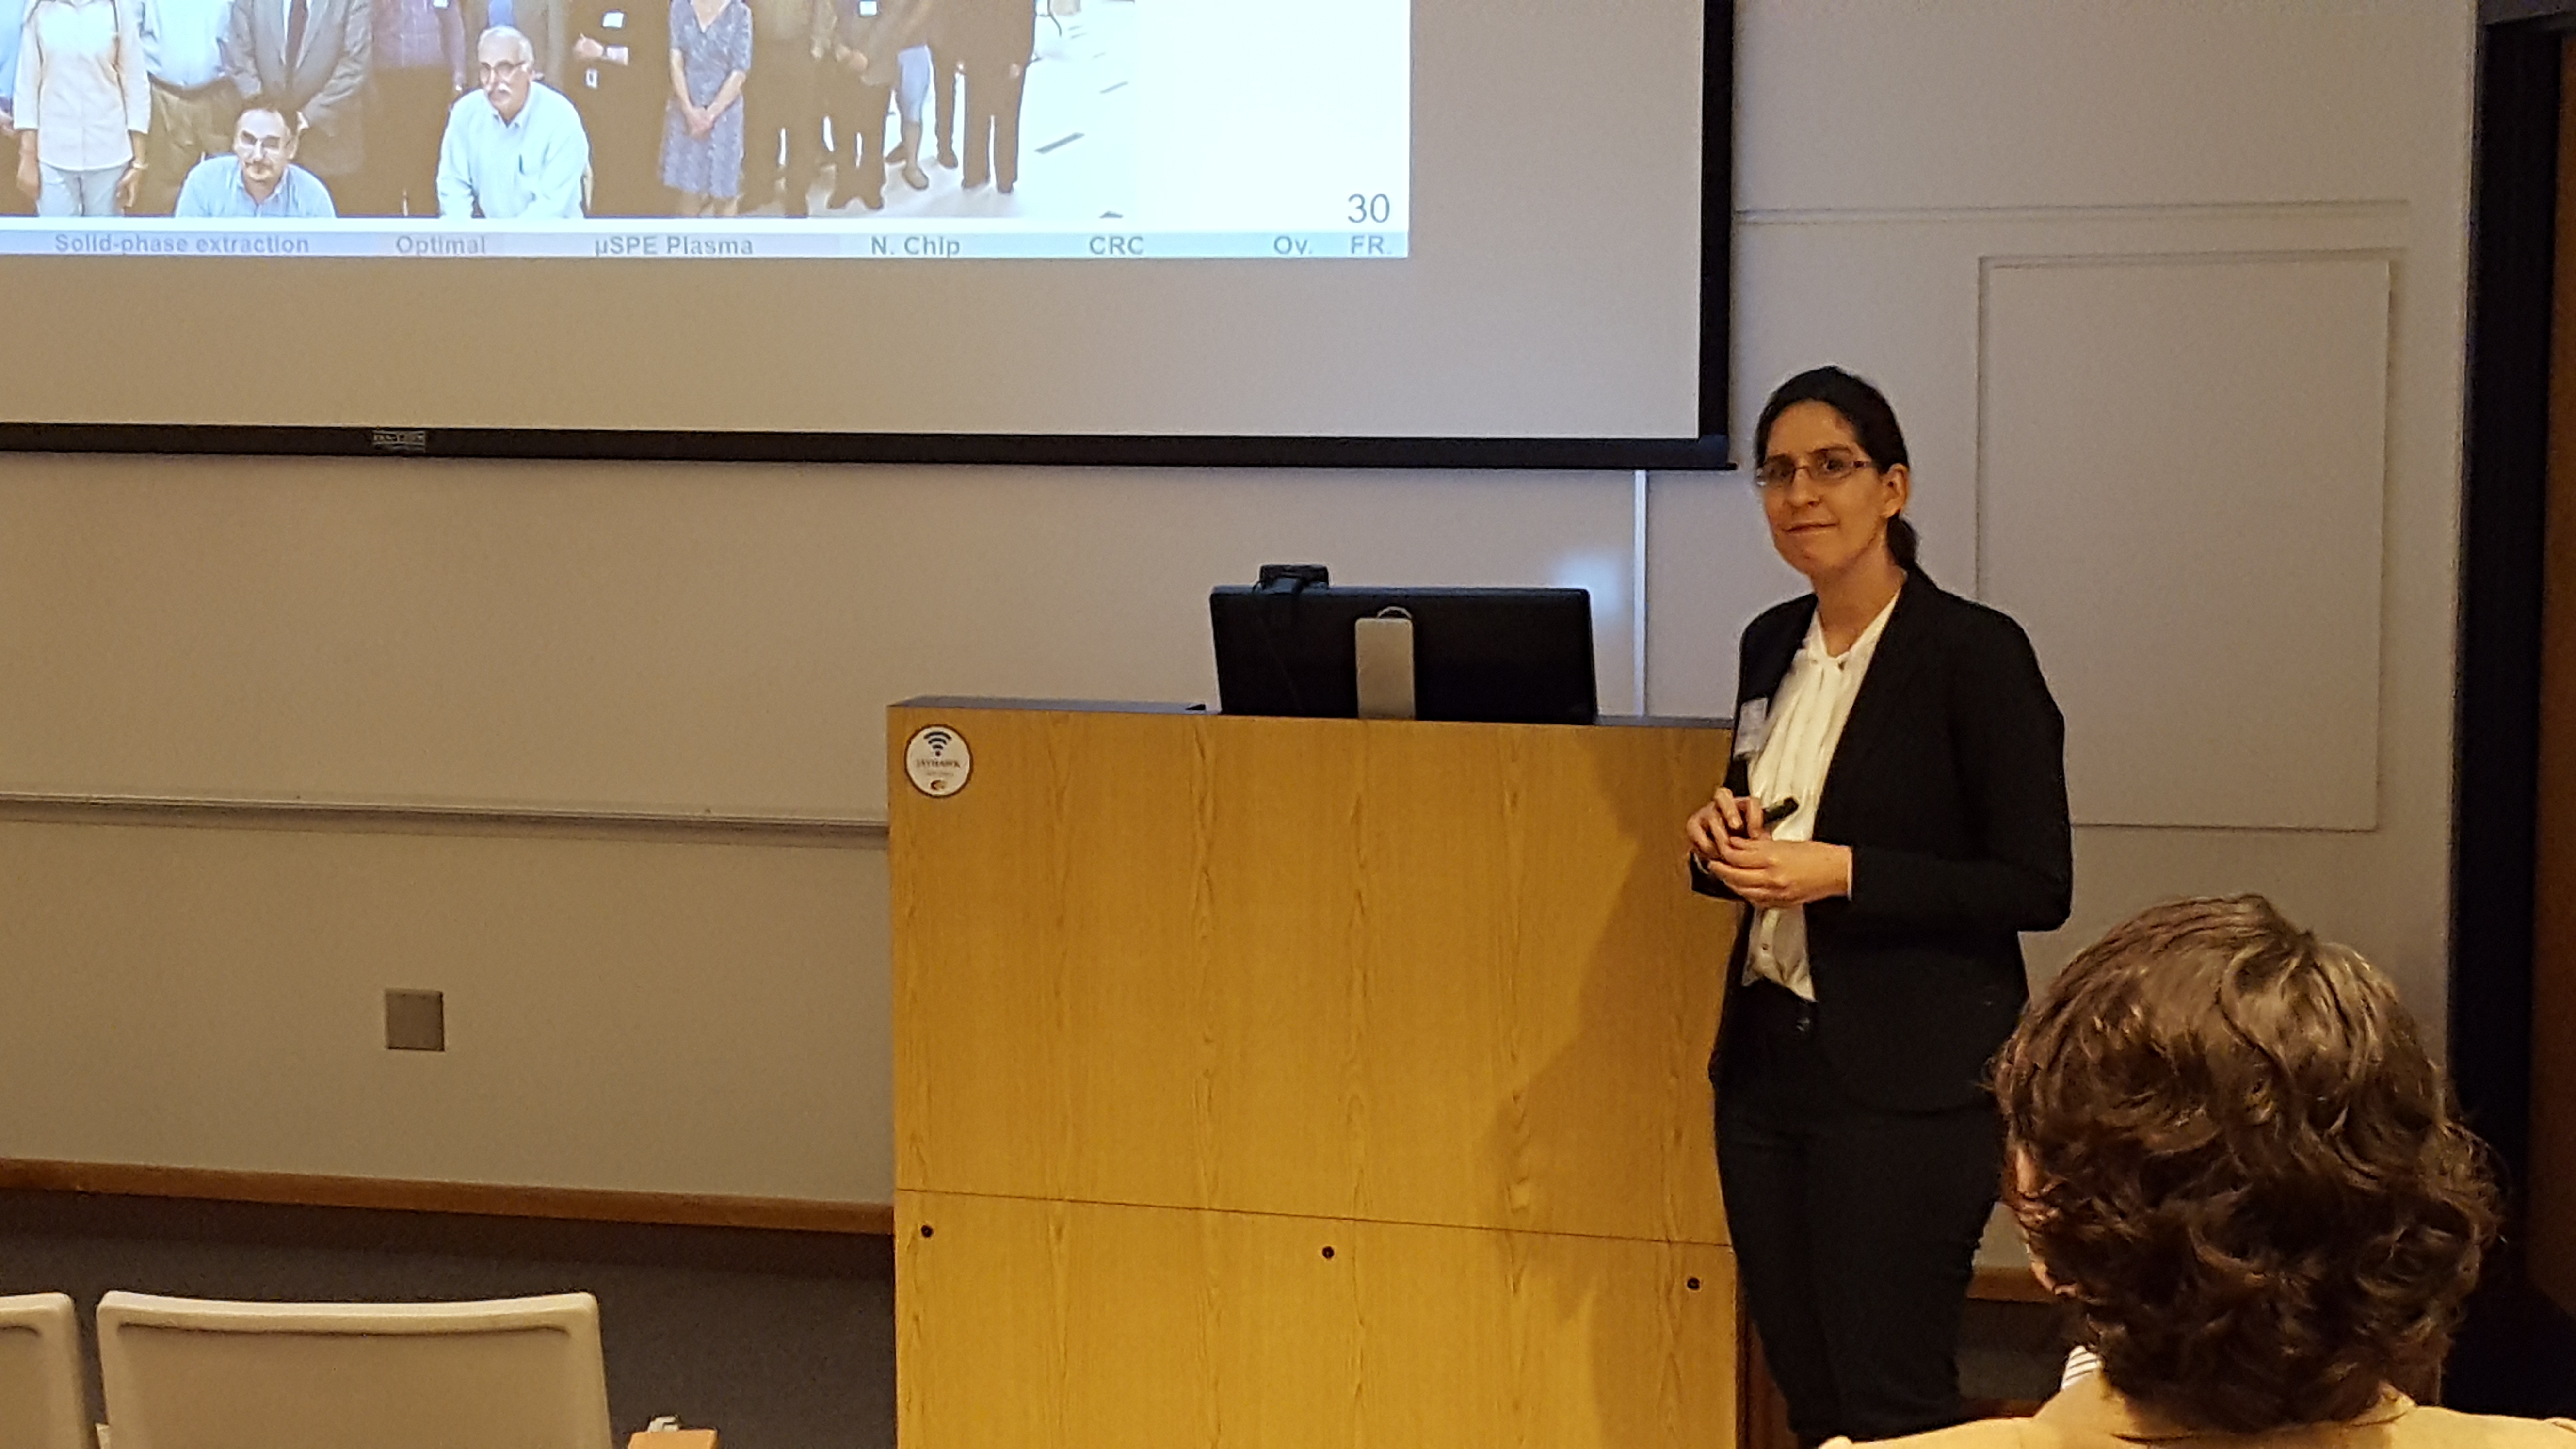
x=1365, y=207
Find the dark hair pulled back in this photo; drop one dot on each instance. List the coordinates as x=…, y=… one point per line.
x=1873, y=423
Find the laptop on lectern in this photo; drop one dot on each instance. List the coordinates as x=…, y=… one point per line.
x=1286, y=646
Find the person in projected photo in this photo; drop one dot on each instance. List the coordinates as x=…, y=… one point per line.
x=996, y=39
x=858, y=144
x=83, y=107
x=702, y=132
x=1894, y=817
x=947, y=82
x=13, y=16
x=546, y=23
x=260, y=178
x=193, y=99
x=515, y=148
x=620, y=80
x=421, y=67
x=314, y=57
x=868, y=40
x=780, y=102
x=911, y=89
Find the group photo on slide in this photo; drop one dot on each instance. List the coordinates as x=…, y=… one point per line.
x=556, y=110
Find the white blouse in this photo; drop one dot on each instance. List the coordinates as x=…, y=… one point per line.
x=1805, y=724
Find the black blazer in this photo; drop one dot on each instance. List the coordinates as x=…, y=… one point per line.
x=1949, y=785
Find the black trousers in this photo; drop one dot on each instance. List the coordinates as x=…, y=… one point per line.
x=947, y=82
x=858, y=114
x=779, y=106
x=1855, y=1228
x=992, y=146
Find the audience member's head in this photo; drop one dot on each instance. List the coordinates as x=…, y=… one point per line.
x=264, y=143
x=505, y=64
x=2230, y=1152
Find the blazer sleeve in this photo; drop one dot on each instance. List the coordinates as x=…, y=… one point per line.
x=241, y=56
x=1708, y=885
x=348, y=79
x=2010, y=747
x=1701, y=880
x=1738, y=768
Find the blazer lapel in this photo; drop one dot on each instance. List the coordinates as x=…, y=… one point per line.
x=1893, y=670
x=1763, y=670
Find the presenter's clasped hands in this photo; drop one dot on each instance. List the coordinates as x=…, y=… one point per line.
x=1731, y=841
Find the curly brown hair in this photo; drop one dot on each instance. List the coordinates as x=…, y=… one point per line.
x=2233, y=1157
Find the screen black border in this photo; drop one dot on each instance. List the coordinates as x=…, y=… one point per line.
x=1709, y=451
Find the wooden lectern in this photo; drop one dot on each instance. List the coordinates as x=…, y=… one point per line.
x=1304, y=1083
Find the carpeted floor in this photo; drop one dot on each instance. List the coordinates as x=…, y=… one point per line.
x=778, y=1340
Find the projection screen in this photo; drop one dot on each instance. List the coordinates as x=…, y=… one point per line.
x=1405, y=231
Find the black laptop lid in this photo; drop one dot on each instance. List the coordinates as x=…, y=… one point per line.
x=1511, y=656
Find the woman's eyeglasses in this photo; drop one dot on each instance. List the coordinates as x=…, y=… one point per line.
x=1827, y=469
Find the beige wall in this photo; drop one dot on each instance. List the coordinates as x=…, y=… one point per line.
x=621, y=1013
x=1894, y=159
x=708, y=1013
x=655, y=637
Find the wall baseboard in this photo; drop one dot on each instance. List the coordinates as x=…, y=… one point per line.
x=574, y=1204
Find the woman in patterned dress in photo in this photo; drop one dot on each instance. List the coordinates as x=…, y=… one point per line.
x=702, y=131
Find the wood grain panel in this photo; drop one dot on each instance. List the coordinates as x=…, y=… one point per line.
x=1410, y=972
x=1048, y=1040
x=1035, y=1324
x=1541, y=985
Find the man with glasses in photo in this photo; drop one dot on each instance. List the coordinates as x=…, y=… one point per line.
x=260, y=178
x=314, y=56
x=514, y=148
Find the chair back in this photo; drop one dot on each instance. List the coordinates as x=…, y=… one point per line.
x=511, y=1373
x=40, y=1374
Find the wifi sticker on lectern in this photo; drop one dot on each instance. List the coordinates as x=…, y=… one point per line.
x=938, y=761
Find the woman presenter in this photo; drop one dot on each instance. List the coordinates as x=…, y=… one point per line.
x=1894, y=818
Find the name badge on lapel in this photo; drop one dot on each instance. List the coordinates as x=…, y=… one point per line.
x=1752, y=727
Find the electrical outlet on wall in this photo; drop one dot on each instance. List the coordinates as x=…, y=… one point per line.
x=415, y=1021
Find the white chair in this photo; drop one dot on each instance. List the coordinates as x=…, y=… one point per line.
x=40, y=1377
x=511, y=1373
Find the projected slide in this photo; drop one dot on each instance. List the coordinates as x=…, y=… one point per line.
x=1108, y=130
